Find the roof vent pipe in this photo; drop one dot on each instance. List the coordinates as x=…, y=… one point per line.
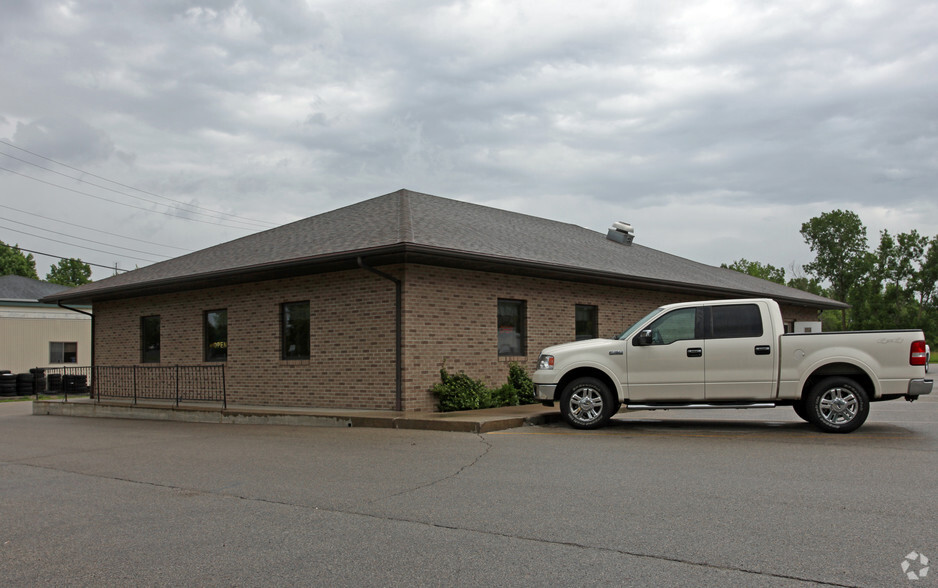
x=621, y=233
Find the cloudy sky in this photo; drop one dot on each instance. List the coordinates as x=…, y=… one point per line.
x=135, y=131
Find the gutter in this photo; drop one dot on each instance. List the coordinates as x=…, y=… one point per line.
x=74, y=309
x=410, y=252
x=398, y=336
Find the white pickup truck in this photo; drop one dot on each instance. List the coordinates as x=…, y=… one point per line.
x=732, y=354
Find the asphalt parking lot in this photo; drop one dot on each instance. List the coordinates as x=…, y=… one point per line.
x=680, y=498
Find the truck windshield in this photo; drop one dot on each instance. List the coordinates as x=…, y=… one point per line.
x=628, y=333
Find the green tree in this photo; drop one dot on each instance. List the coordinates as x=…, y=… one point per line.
x=69, y=272
x=757, y=269
x=802, y=282
x=838, y=239
x=925, y=282
x=13, y=262
x=897, y=266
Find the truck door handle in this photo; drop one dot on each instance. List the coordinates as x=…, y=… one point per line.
x=763, y=350
x=694, y=352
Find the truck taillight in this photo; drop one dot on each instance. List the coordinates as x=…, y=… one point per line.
x=917, y=355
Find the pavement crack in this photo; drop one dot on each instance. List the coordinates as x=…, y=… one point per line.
x=488, y=447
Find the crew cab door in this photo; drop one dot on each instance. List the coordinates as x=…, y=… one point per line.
x=741, y=352
x=665, y=358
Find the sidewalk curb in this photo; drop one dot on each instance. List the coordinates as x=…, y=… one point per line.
x=478, y=421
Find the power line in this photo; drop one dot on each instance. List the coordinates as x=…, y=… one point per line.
x=116, y=191
x=92, y=229
x=79, y=246
x=110, y=267
x=195, y=206
x=195, y=220
x=88, y=240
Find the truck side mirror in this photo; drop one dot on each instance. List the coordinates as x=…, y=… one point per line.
x=642, y=339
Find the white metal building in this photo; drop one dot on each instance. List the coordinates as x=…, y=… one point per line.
x=33, y=334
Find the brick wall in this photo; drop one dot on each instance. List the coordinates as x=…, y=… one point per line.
x=351, y=330
x=449, y=314
x=798, y=313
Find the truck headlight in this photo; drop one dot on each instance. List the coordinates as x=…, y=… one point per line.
x=545, y=362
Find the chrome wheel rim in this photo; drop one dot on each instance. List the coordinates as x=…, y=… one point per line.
x=586, y=404
x=838, y=406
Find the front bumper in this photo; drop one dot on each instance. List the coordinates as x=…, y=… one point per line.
x=919, y=387
x=544, y=392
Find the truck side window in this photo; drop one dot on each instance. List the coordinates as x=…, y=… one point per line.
x=735, y=321
x=677, y=325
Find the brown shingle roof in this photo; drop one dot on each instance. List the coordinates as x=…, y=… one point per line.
x=414, y=227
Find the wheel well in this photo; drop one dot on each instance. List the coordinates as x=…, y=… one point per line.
x=841, y=369
x=585, y=373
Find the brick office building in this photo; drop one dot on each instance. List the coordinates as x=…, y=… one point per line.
x=358, y=307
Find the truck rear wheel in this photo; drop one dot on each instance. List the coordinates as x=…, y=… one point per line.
x=837, y=405
x=587, y=403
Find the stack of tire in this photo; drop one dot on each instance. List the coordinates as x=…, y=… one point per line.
x=54, y=383
x=7, y=383
x=39, y=380
x=75, y=384
x=24, y=384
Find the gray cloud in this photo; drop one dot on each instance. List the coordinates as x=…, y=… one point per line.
x=686, y=116
x=63, y=137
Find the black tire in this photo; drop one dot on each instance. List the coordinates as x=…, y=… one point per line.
x=8, y=384
x=837, y=405
x=75, y=384
x=587, y=403
x=801, y=410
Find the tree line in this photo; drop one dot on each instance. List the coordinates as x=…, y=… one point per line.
x=67, y=272
x=894, y=286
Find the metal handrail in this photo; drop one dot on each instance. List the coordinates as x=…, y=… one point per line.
x=180, y=383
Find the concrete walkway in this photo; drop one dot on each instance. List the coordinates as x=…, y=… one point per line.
x=470, y=421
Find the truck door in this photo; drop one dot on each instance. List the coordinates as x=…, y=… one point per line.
x=665, y=359
x=740, y=352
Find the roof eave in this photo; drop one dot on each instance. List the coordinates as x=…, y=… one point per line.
x=579, y=274
x=410, y=253
x=240, y=275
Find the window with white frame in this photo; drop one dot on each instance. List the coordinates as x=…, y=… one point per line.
x=63, y=352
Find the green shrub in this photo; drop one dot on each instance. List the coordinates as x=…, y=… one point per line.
x=486, y=399
x=519, y=379
x=459, y=392
x=507, y=395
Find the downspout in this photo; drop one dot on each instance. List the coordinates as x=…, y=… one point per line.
x=59, y=303
x=399, y=316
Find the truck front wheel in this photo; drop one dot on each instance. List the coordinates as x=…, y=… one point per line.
x=837, y=405
x=801, y=410
x=587, y=403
